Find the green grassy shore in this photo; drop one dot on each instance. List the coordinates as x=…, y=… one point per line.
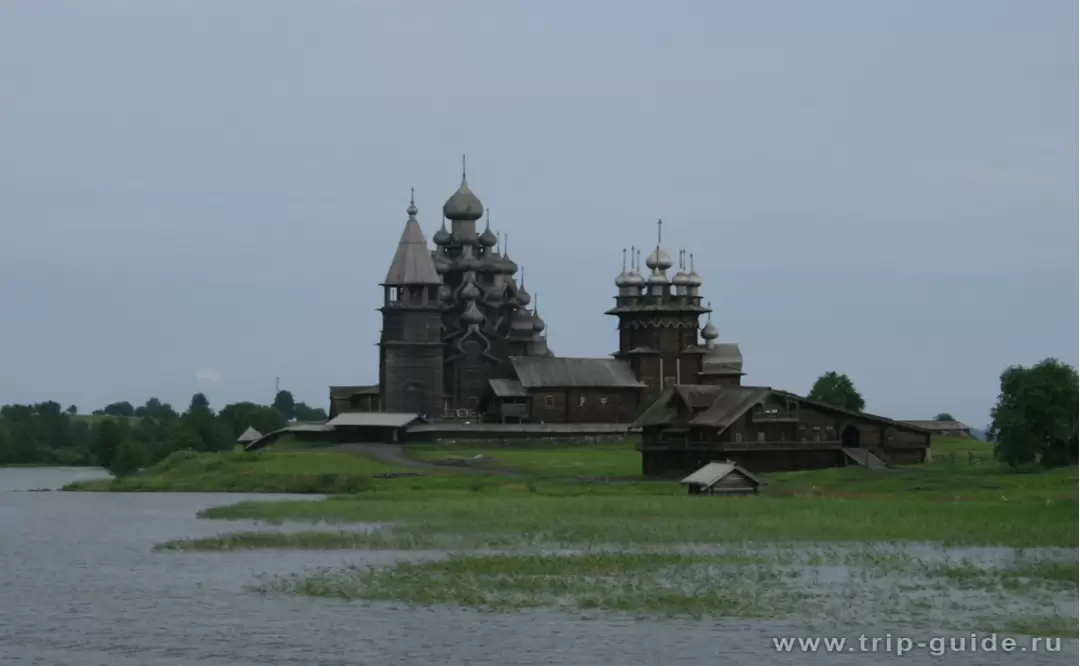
x=576, y=527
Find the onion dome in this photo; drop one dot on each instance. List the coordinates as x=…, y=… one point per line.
x=658, y=259
x=537, y=323
x=682, y=278
x=472, y=314
x=633, y=277
x=468, y=262
x=693, y=279
x=709, y=333
x=470, y=292
x=463, y=204
x=657, y=277
x=521, y=322
x=442, y=236
x=523, y=296
x=488, y=239
x=622, y=280
x=441, y=261
x=506, y=264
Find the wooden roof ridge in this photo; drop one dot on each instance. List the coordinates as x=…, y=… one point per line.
x=863, y=415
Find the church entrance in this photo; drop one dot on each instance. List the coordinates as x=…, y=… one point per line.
x=849, y=439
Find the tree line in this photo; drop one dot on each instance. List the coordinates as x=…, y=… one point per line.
x=123, y=438
x=1034, y=422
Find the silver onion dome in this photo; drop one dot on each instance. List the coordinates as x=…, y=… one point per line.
x=709, y=333
x=463, y=204
x=488, y=238
x=472, y=314
x=693, y=279
x=470, y=292
x=442, y=236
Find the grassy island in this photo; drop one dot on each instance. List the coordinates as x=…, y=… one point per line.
x=576, y=527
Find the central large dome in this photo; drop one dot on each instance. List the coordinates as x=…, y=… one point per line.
x=463, y=204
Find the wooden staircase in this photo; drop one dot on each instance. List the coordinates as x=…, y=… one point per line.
x=866, y=458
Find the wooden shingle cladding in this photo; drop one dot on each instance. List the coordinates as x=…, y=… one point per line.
x=764, y=429
x=564, y=390
x=354, y=399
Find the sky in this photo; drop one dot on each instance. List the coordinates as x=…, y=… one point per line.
x=204, y=196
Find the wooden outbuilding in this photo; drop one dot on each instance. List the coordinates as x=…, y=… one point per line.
x=385, y=427
x=248, y=436
x=722, y=478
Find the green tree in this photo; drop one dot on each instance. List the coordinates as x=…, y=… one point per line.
x=285, y=405
x=1036, y=415
x=944, y=416
x=130, y=456
x=72, y=410
x=239, y=415
x=108, y=435
x=306, y=413
x=837, y=390
x=156, y=409
x=199, y=403
x=123, y=409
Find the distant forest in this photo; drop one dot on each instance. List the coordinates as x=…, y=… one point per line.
x=46, y=433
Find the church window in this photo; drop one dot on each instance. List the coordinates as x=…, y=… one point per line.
x=581, y=401
x=738, y=438
x=761, y=436
x=603, y=400
x=669, y=381
x=549, y=401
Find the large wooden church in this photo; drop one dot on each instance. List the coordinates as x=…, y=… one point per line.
x=462, y=340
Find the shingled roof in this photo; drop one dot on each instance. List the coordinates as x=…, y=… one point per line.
x=412, y=264
x=560, y=372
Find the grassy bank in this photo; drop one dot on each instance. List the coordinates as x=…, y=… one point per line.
x=284, y=472
x=846, y=545
x=508, y=518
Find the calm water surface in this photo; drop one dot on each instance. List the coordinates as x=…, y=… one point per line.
x=80, y=586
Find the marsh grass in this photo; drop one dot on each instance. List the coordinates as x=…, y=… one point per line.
x=382, y=539
x=654, y=583
x=747, y=582
x=638, y=521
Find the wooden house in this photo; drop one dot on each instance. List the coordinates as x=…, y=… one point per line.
x=764, y=429
x=722, y=478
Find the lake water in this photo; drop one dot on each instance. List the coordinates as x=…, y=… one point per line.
x=80, y=586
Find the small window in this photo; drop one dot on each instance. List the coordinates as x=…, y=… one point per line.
x=738, y=437
x=761, y=436
x=603, y=400
x=669, y=381
x=581, y=401
x=549, y=401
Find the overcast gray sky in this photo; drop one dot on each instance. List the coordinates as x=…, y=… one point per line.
x=204, y=195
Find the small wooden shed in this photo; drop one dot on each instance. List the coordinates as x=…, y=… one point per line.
x=722, y=478
x=248, y=436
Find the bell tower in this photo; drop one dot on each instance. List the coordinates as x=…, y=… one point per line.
x=658, y=318
x=410, y=346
